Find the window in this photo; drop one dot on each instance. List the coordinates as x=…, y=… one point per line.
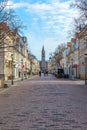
x=73, y=46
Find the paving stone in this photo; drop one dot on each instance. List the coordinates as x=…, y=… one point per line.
x=44, y=103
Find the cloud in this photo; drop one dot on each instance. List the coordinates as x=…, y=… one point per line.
x=51, y=18
x=51, y=13
x=16, y=5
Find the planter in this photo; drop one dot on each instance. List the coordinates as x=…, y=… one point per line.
x=5, y=85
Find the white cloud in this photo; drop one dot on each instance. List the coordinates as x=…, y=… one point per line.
x=56, y=12
x=16, y=5
x=55, y=17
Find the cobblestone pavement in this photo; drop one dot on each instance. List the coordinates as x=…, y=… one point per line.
x=44, y=103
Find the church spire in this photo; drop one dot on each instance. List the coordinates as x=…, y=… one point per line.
x=43, y=53
x=43, y=49
x=43, y=63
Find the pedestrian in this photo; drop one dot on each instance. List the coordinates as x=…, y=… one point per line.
x=44, y=73
x=39, y=73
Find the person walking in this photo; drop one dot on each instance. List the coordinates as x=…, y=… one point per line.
x=39, y=73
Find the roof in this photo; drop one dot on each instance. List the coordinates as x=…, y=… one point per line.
x=43, y=49
x=73, y=40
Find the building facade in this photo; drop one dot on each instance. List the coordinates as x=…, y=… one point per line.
x=15, y=62
x=82, y=46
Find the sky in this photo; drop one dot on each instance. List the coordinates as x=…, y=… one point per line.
x=48, y=23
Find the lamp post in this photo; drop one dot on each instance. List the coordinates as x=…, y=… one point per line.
x=85, y=69
x=67, y=68
x=22, y=69
x=50, y=65
x=12, y=70
x=31, y=63
x=72, y=70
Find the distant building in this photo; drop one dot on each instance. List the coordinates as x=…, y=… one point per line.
x=43, y=63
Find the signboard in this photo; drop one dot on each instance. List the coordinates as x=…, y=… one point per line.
x=23, y=66
x=75, y=66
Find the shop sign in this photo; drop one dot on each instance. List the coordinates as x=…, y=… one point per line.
x=75, y=65
x=22, y=66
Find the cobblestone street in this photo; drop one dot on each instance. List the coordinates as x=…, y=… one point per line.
x=44, y=103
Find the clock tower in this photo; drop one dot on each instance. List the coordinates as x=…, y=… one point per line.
x=43, y=54
x=43, y=62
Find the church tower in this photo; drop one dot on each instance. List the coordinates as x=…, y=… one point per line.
x=43, y=63
x=43, y=54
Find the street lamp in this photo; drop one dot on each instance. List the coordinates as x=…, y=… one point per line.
x=85, y=69
x=72, y=70
x=67, y=68
x=12, y=70
x=21, y=69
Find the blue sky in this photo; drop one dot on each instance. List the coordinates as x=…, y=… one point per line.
x=48, y=22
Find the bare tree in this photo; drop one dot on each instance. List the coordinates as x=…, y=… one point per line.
x=3, y=4
x=9, y=22
x=82, y=5
x=81, y=21
x=58, y=52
